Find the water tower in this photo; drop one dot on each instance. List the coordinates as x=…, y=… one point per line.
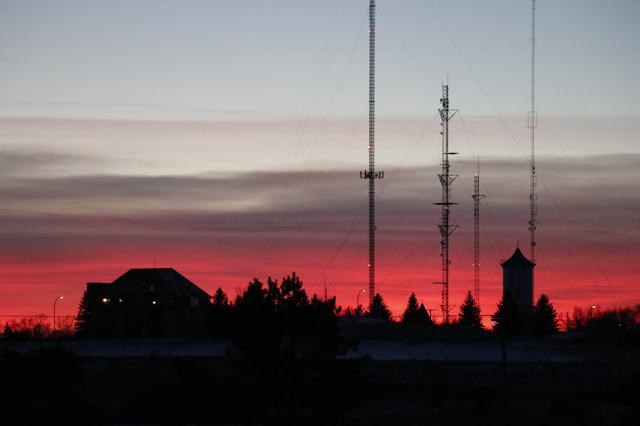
x=517, y=280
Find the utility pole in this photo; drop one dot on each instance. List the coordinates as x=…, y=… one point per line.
x=371, y=174
x=476, y=233
x=446, y=179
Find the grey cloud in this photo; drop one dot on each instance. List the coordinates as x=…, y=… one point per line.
x=25, y=162
x=322, y=202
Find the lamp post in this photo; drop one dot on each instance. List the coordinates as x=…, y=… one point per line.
x=54, y=312
x=358, y=299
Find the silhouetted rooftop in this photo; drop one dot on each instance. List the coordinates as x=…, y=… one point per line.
x=166, y=281
x=517, y=259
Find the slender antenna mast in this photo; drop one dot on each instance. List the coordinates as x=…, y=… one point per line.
x=476, y=233
x=325, y=289
x=533, y=122
x=446, y=179
x=371, y=175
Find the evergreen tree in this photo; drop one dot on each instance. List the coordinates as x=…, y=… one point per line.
x=285, y=348
x=545, y=317
x=219, y=313
x=273, y=291
x=507, y=318
x=423, y=317
x=378, y=309
x=410, y=315
x=84, y=318
x=469, y=315
x=220, y=299
x=280, y=322
x=255, y=329
x=359, y=311
x=292, y=296
x=8, y=332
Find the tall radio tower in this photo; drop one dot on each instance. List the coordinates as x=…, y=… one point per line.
x=532, y=123
x=476, y=233
x=446, y=179
x=371, y=175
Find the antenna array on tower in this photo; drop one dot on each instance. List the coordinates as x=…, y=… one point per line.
x=446, y=179
x=532, y=122
x=476, y=233
x=371, y=175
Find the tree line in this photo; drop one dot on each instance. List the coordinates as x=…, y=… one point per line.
x=284, y=309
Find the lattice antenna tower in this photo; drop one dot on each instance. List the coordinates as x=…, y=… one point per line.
x=476, y=233
x=371, y=174
x=446, y=179
x=533, y=123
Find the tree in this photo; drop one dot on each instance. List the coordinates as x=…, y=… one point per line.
x=469, y=315
x=410, y=315
x=414, y=314
x=507, y=318
x=319, y=335
x=354, y=312
x=84, y=319
x=423, y=317
x=280, y=319
x=378, y=309
x=65, y=327
x=579, y=319
x=220, y=299
x=292, y=295
x=545, y=317
x=219, y=313
x=36, y=327
x=613, y=323
x=254, y=328
x=285, y=352
x=8, y=332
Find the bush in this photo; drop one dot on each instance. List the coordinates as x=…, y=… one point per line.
x=29, y=328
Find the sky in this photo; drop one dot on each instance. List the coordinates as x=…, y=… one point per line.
x=224, y=139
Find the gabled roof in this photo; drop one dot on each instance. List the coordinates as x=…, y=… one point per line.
x=517, y=260
x=165, y=281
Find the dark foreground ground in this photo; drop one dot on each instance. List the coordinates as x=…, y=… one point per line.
x=55, y=386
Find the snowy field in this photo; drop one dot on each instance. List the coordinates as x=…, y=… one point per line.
x=486, y=351
x=474, y=352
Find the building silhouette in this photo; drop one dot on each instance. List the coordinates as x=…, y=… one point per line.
x=158, y=302
x=517, y=281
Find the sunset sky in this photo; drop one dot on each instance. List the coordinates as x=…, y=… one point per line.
x=224, y=139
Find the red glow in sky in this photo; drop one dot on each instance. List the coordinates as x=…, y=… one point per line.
x=49, y=256
x=160, y=143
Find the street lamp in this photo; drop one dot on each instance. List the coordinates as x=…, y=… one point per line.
x=358, y=298
x=54, y=312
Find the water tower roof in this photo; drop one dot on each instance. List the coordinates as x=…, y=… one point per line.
x=517, y=260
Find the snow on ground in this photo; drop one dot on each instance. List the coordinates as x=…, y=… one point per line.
x=487, y=351
x=132, y=348
x=473, y=351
